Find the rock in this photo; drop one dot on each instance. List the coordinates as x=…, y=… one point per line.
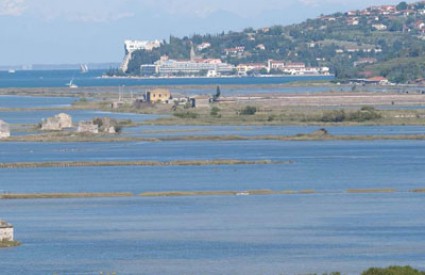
x=88, y=127
x=57, y=123
x=320, y=132
x=4, y=130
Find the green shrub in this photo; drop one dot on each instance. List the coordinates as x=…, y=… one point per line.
x=249, y=110
x=185, y=115
x=333, y=116
x=365, y=114
x=393, y=270
x=214, y=111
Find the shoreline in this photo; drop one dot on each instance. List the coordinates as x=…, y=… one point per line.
x=212, y=78
x=295, y=138
x=69, y=164
x=208, y=193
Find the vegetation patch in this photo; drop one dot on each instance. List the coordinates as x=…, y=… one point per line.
x=62, y=164
x=393, y=270
x=63, y=195
x=370, y=191
x=5, y=244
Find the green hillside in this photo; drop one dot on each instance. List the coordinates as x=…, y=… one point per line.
x=385, y=40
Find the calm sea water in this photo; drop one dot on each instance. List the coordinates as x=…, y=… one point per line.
x=38, y=79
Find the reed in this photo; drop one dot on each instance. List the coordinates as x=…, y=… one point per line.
x=63, y=195
x=66, y=164
x=371, y=191
x=206, y=193
x=5, y=244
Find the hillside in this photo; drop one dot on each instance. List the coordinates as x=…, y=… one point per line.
x=384, y=41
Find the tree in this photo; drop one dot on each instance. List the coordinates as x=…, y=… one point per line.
x=402, y=6
x=217, y=94
x=249, y=110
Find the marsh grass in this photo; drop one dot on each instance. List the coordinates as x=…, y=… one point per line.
x=370, y=191
x=6, y=244
x=63, y=195
x=64, y=164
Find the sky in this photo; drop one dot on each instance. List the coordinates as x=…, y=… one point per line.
x=93, y=31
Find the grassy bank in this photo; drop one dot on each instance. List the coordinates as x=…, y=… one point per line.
x=176, y=193
x=63, y=195
x=314, y=136
x=61, y=164
x=5, y=244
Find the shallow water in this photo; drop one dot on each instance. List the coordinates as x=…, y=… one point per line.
x=34, y=117
x=176, y=131
x=216, y=235
x=34, y=102
x=331, y=166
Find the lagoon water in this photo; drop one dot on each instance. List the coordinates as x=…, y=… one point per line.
x=298, y=234
x=332, y=166
x=331, y=230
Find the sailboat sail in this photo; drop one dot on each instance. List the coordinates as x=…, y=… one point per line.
x=84, y=68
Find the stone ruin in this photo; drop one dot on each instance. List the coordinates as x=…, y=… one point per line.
x=57, y=123
x=4, y=130
x=6, y=232
x=98, y=125
x=88, y=127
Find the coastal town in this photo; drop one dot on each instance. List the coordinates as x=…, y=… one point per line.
x=198, y=66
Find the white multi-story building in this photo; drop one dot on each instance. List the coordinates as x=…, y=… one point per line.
x=166, y=66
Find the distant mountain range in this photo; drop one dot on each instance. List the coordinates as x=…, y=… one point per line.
x=386, y=41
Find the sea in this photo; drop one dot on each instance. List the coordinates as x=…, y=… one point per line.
x=93, y=78
x=330, y=229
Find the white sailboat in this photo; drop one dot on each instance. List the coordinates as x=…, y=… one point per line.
x=84, y=68
x=71, y=85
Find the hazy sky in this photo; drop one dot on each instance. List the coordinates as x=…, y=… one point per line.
x=83, y=31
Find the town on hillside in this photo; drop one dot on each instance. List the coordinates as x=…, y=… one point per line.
x=197, y=65
x=380, y=41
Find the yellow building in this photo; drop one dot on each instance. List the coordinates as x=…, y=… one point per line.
x=158, y=95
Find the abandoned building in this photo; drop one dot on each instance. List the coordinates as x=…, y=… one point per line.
x=4, y=130
x=6, y=232
x=158, y=95
x=57, y=123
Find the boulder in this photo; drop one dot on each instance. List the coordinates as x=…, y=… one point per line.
x=320, y=132
x=4, y=130
x=57, y=123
